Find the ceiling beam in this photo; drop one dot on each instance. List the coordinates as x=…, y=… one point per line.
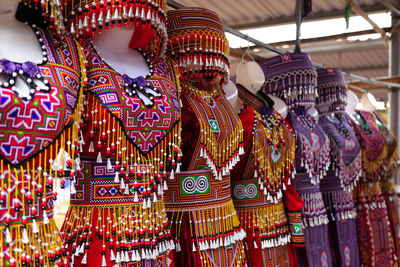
x=365, y=16
x=330, y=37
x=311, y=17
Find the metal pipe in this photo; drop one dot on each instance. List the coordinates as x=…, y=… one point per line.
x=239, y=34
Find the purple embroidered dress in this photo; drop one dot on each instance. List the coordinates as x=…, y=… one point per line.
x=293, y=78
x=345, y=167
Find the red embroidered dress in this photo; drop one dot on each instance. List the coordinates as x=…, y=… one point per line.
x=259, y=186
x=117, y=214
x=373, y=223
x=39, y=137
x=204, y=222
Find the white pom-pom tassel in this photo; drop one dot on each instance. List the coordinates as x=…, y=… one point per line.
x=35, y=228
x=103, y=261
x=91, y=147
x=109, y=165
x=84, y=260
x=25, y=238
x=172, y=175
x=99, y=158
x=8, y=235
x=112, y=255
x=45, y=218
x=72, y=188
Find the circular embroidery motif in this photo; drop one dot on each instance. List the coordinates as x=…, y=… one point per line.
x=195, y=185
x=316, y=146
x=347, y=256
x=323, y=259
x=243, y=191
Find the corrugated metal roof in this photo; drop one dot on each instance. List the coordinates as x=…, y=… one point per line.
x=239, y=13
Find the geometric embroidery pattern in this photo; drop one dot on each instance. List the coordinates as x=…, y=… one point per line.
x=28, y=127
x=245, y=191
x=145, y=127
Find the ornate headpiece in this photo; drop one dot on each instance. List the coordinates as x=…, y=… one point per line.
x=198, y=43
x=42, y=13
x=331, y=90
x=292, y=77
x=86, y=17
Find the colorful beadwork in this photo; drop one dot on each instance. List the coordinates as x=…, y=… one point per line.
x=39, y=144
x=129, y=148
x=197, y=42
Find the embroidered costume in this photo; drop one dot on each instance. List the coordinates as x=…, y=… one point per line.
x=259, y=185
x=390, y=166
x=132, y=139
x=40, y=137
x=206, y=228
x=293, y=78
x=373, y=223
x=345, y=168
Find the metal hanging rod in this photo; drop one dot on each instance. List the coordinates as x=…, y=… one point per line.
x=239, y=34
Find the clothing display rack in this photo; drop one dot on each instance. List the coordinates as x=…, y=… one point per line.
x=274, y=49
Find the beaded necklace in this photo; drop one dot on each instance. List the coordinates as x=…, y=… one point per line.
x=138, y=86
x=27, y=71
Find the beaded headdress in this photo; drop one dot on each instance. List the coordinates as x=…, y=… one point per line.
x=86, y=17
x=332, y=90
x=291, y=77
x=198, y=43
x=42, y=13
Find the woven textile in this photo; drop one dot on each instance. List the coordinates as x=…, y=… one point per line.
x=38, y=144
x=197, y=42
x=129, y=147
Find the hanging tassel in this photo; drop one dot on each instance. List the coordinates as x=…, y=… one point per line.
x=45, y=218
x=193, y=247
x=144, y=204
x=118, y=259
x=255, y=244
x=172, y=175
x=178, y=168
x=122, y=185
x=126, y=192
x=116, y=178
x=103, y=261
x=109, y=165
x=25, y=238
x=77, y=164
x=149, y=203
x=112, y=255
x=165, y=186
x=8, y=235
x=154, y=197
x=91, y=147
x=84, y=260
x=99, y=158
x=35, y=228
x=136, y=199
x=72, y=188
x=178, y=247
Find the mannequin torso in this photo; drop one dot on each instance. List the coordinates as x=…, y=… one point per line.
x=18, y=43
x=112, y=46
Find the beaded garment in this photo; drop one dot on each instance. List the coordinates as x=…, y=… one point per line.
x=206, y=228
x=40, y=139
x=266, y=165
x=345, y=168
x=132, y=139
x=388, y=177
x=292, y=77
x=373, y=222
